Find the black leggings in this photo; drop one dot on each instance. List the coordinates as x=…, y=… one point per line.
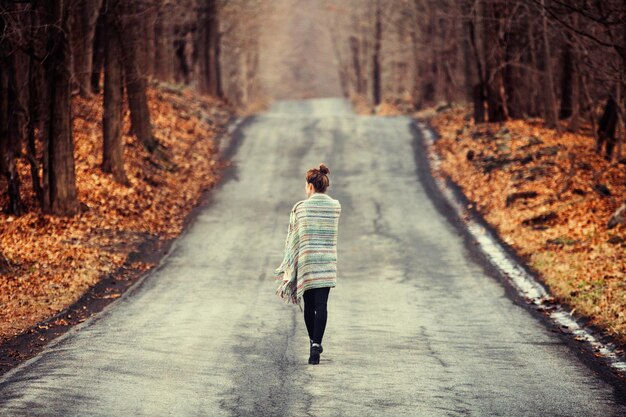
x=315, y=313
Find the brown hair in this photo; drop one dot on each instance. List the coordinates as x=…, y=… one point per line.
x=319, y=178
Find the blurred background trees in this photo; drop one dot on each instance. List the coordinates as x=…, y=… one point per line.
x=52, y=50
x=564, y=61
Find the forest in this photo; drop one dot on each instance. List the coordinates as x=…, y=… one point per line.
x=563, y=61
x=511, y=59
x=51, y=51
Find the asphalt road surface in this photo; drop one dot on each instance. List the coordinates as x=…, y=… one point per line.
x=416, y=327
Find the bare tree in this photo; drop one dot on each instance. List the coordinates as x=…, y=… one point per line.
x=135, y=79
x=8, y=145
x=59, y=172
x=207, y=45
x=113, y=146
x=83, y=30
x=550, y=104
x=376, y=76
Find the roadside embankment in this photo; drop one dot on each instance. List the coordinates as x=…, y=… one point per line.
x=550, y=197
x=50, y=262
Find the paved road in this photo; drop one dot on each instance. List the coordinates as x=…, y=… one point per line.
x=415, y=327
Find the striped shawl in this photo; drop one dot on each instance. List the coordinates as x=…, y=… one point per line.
x=310, y=259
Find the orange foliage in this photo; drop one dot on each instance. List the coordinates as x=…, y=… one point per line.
x=55, y=260
x=571, y=252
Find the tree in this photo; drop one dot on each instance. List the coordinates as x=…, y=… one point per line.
x=356, y=64
x=207, y=46
x=550, y=104
x=494, y=59
x=59, y=176
x=163, y=53
x=85, y=15
x=606, y=128
x=376, y=77
x=128, y=24
x=478, y=90
x=9, y=142
x=97, y=57
x=113, y=146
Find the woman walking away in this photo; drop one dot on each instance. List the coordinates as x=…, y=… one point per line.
x=309, y=267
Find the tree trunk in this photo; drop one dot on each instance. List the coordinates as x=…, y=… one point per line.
x=218, y=67
x=113, y=146
x=19, y=79
x=150, y=13
x=607, y=127
x=98, y=48
x=494, y=61
x=623, y=55
x=356, y=65
x=567, y=81
x=8, y=137
x=58, y=130
x=478, y=91
x=34, y=122
x=344, y=78
x=534, y=101
x=511, y=74
x=376, y=81
x=442, y=60
x=429, y=68
x=208, y=49
x=468, y=73
x=36, y=95
x=83, y=31
x=18, y=99
x=619, y=136
x=163, y=54
x=550, y=105
x=478, y=98
x=574, y=121
x=182, y=71
x=134, y=78
x=415, y=90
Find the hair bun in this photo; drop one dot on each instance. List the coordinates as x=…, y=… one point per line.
x=324, y=169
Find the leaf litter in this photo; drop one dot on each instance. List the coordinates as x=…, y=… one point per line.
x=48, y=262
x=554, y=197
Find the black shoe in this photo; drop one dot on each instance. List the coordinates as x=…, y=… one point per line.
x=311, y=345
x=314, y=358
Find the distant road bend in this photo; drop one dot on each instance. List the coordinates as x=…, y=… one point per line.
x=416, y=327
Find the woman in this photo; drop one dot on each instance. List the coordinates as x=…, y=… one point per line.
x=309, y=267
